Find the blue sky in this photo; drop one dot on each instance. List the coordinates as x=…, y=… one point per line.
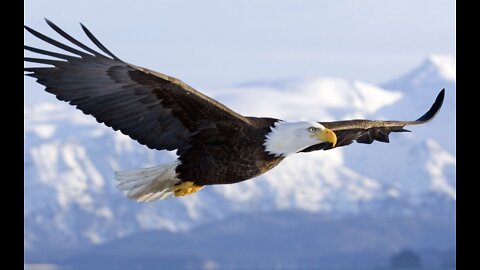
x=213, y=44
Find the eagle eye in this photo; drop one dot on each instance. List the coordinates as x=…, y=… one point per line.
x=312, y=129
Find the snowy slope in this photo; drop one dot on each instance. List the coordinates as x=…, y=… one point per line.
x=70, y=194
x=420, y=85
x=423, y=161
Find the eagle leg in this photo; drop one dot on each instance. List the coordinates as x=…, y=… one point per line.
x=186, y=188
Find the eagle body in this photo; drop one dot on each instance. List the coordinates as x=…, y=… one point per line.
x=214, y=144
x=229, y=154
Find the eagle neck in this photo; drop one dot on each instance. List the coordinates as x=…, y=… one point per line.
x=278, y=141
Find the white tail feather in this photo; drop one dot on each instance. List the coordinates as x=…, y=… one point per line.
x=149, y=184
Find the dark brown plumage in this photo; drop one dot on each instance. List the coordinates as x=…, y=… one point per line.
x=215, y=145
x=367, y=131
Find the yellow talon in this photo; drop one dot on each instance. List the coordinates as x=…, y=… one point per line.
x=186, y=188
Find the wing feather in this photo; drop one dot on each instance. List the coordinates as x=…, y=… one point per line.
x=155, y=109
x=56, y=43
x=71, y=39
x=49, y=53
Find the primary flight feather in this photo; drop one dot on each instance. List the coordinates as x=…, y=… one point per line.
x=215, y=145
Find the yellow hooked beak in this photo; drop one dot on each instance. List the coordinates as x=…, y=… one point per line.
x=328, y=135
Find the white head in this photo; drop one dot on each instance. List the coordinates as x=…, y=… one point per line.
x=287, y=138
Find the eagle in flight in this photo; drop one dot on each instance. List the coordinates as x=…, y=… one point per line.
x=214, y=144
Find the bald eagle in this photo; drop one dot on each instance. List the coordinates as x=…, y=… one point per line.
x=215, y=145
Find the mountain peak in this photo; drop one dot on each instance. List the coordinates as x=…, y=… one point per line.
x=432, y=73
x=444, y=65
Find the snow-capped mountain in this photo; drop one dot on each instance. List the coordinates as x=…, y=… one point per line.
x=435, y=73
x=429, y=151
x=70, y=194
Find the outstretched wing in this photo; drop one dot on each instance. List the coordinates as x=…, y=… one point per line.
x=157, y=110
x=367, y=131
